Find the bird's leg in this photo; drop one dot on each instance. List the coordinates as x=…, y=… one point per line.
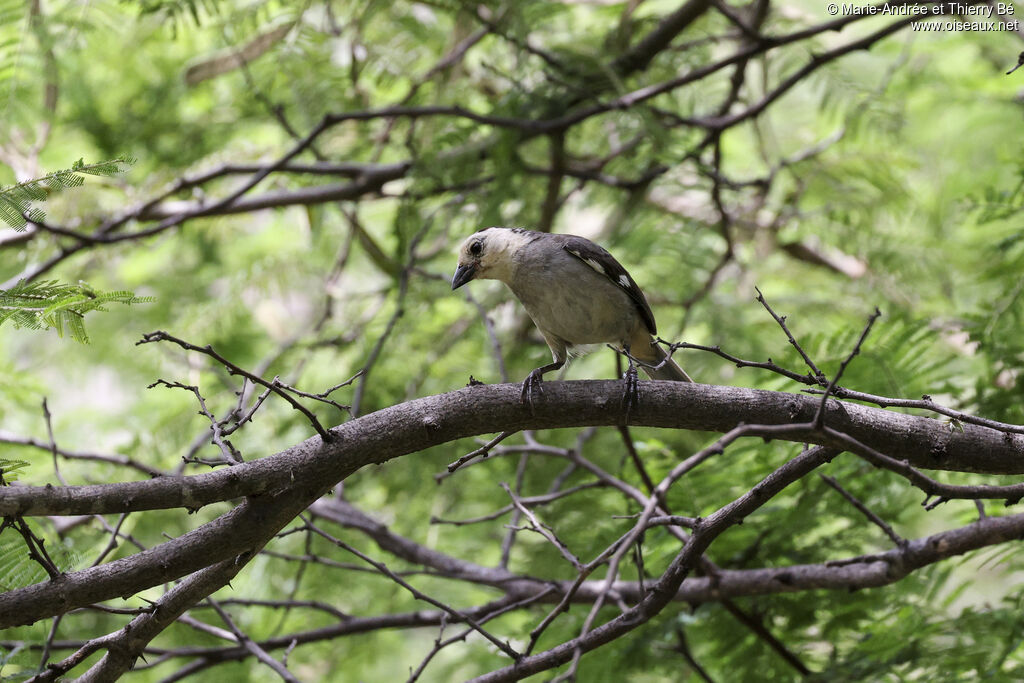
x=631, y=390
x=533, y=381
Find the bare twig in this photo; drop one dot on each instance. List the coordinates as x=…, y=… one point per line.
x=543, y=529
x=864, y=510
x=380, y=567
x=820, y=415
x=816, y=374
x=233, y=369
x=482, y=452
x=247, y=642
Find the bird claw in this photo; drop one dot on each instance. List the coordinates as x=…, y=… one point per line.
x=630, y=390
x=533, y=381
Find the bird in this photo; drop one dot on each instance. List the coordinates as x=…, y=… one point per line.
x=576, y=293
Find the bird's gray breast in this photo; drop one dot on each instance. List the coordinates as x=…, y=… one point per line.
x=569, y=299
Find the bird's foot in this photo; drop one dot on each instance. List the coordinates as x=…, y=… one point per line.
x=630, y=390
x=532, y=384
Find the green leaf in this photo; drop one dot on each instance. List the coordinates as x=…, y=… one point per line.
x=48, y=303
x=16, y=200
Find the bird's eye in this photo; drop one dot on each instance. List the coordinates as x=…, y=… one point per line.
x=476, y=248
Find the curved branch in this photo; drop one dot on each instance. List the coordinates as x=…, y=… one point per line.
x=858, y=572
x=640, y=55
x=661, y=593
x=292, y=480
x=867, y=571
x=375, y=438
x=394, y=431
x=870, y=571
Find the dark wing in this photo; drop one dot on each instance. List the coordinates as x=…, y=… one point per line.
x=604, y=263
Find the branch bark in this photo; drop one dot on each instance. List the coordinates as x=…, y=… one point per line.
x=281, y=486
x=640, y=55
x=870, y=571
x=378, y=437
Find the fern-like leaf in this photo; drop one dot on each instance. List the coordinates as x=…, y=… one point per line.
x=38, y=305
x=9, y=470
x=16, y=200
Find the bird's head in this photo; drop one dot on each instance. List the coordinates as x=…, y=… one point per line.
x=488, y=255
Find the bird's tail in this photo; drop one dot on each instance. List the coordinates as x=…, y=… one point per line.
x=661, y=366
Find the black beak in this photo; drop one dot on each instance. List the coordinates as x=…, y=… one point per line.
x=463, y=274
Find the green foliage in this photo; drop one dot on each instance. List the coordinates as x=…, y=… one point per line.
x=9, y=470
x=15, y=51
x=178, y=10
x=894, y=158
x=48, y=303
x=16, y=200
x=18, y=569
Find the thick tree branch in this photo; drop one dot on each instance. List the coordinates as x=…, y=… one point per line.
x=640, y=55
x=868, y=571
x=661, y=592
x=921, y=441
x=290, y=481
